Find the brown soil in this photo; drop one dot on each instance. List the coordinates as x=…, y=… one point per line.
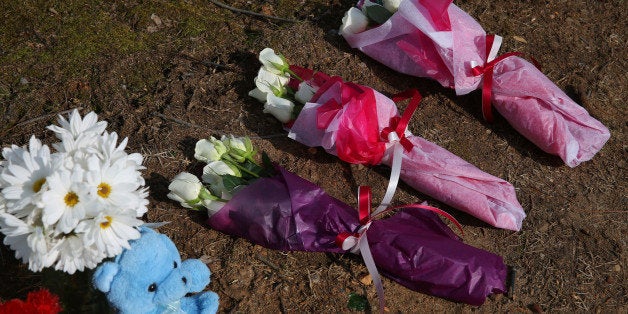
x=168, y=82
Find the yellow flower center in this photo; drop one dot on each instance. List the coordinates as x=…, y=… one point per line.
x=106, y=224
x=38, y=184
x=104, y=190
x=71, y=199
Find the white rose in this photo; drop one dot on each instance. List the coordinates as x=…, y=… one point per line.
x=305, y=92
x=240, y=148
x=209, y=150
x=273, y=62
x=258, y=94
x=271, y=83
x=353, y=22
x=185, y=189
x=280, y=108
x=392, y=5
x=213, y=172
x=213, y=206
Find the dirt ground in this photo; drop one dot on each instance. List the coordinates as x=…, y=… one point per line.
x=167, y=73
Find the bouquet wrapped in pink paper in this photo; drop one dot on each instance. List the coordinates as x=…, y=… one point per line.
x=436, y=39
x=360, y=125
x=283, y=211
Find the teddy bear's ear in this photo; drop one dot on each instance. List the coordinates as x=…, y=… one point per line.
x=103, y=276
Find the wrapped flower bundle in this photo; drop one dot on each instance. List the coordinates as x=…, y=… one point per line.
x=360, y=125
x=436, y=39
x=76, y=206
x=412, y=246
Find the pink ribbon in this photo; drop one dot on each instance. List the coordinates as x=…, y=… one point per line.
x=357, y=241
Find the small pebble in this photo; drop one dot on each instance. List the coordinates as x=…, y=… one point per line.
x=367, y=280
x=536, y=308
x=23, y=81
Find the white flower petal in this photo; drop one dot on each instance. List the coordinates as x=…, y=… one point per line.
x=280, y=108
x=353, y=22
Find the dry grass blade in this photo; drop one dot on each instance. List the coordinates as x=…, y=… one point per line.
x=230, y=8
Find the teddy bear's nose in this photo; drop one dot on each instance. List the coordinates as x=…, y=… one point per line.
x=185, y=280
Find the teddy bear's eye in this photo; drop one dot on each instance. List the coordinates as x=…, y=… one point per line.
x=152, y=287
x=175, y=264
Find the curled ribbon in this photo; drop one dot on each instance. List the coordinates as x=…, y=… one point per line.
x=395, y=133
x=357, y=241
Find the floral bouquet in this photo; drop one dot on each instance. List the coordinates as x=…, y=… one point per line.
x=436, y=39
x=76, y=206
x=280, y=210
x=360, y=125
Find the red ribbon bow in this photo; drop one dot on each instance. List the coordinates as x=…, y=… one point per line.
x=365, y=217
x=399, y=124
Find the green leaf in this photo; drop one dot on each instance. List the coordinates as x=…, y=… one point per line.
x=378, y=14
x=251, y=167
x=357, y=302
x=231, y=182
x=269, y=167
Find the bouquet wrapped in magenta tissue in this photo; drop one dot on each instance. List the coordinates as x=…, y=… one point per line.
x=280, y=210
x=436, y=39
x=360, y=125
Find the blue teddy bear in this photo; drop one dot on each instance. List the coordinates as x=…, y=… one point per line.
x=151, y=278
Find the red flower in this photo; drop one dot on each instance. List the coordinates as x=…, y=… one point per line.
x=37, y=302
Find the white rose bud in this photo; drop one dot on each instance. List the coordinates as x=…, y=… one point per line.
x=305, y=92
x=392, y=5
x=185, y=188
x=213, y=172
x=280, y=108
x=353, y=22
x=258, y=94
x=271, y=83
x=240, y=148
x=209, y=150
x=273, y=62
x=212, y=206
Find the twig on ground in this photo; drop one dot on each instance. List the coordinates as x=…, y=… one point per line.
x=46, y=116
x=273, y=266
x=177, y=120
x=37, y=119
x=230, y=8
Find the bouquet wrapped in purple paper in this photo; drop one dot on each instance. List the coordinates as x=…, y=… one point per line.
x=283, y=211
x=436, y=39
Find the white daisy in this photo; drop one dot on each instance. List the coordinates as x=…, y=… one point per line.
x=75, y=255
x=24, y=176
x=112, y=184
x=110, y=150
x=66, y=201
x=142, y=207
x=110, y=230
x=76, y=126
x=16, y=233
x=43, y=253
